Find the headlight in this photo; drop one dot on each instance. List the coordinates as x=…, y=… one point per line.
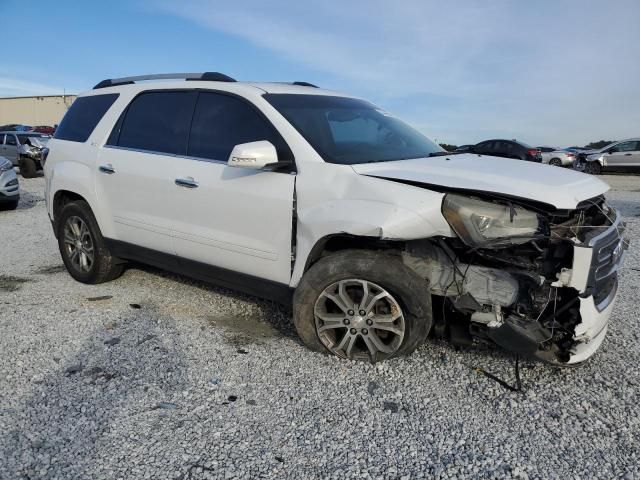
x=5, y=165
x=481, y=223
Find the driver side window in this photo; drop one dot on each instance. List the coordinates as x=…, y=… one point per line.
x=624, y=147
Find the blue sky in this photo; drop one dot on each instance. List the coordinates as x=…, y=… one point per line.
x=555, y=72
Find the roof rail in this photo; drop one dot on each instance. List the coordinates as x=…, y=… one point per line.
x=205, y=76
x=305, y=84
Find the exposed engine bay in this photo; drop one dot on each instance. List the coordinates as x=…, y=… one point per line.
x=546, y=297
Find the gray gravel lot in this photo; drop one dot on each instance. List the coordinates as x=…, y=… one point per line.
x=198, y=382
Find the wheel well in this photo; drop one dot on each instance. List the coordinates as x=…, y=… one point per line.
x=60, y=199
x=342, y=241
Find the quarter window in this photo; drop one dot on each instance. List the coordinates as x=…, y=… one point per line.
x=157, y=122
x=83, y=116
x=220, y=122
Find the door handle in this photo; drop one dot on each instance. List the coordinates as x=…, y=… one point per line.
x=188, y=182
x=627, y=154
x=108, y=169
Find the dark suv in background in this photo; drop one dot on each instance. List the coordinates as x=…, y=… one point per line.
x=508, y=149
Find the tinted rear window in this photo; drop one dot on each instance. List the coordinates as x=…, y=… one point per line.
x=83, y=116
x=158, y=122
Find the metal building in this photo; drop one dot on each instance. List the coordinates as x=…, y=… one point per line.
x=34, y=111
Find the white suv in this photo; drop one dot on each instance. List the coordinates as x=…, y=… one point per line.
x=308, y=196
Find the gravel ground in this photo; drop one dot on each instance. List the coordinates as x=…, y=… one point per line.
x=157, y=376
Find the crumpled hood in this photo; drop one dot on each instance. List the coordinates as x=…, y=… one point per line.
x=39, y=142
x=560, y=187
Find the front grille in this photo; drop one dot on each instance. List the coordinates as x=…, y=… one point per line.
x=608, y=250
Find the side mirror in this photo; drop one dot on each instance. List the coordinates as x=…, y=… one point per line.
x=254, y=155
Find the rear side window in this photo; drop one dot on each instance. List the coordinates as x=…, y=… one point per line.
x=157, y=122
x=11, y=139
x=221, y=122
x=83, y=116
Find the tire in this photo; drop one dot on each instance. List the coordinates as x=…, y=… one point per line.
x=594, y=168
x=354, y=268
x=102, y=267
x=28, y=167
x=556, y=162
x=9, y=205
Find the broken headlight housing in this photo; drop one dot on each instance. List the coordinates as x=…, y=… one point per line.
x=487, y=224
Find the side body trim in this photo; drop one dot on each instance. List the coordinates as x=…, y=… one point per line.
x=278, y=292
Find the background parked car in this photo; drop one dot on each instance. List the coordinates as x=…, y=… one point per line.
x=508, y=149
x=624, y=154
x=9, y=188
x=464, y=149
x=557, y=156
x=24, y=149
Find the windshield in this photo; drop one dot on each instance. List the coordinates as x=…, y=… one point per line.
x=607, y=147
x=349, y=131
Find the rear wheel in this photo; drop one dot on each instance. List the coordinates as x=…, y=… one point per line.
x=594, y=168
x=82, y=246
x=28, y=167
x=555, y=162
x=362, y=305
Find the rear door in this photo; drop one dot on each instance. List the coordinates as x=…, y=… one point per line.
x=137, y=169
x=234, y=218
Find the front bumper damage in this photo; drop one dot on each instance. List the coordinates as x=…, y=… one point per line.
x=559, y=316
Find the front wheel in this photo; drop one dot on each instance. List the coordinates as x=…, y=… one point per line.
x=9, y=205
x=28, y=167
x=362, y=305
x=594, y=168
x=82, y=246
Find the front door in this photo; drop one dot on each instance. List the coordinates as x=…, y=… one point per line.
x=234, y=218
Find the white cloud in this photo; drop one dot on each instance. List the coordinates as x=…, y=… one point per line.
x=555, y=72
x=11, y=87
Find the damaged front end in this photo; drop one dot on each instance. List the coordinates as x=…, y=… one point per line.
x=34, y=148
x=537, y=282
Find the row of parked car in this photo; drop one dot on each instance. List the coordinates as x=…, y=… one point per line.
x=18, y=127
x=24, y=147
x=24, y=150
x=624, y=154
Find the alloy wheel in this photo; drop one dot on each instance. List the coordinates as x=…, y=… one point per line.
x=359, y=320
x=78, y=244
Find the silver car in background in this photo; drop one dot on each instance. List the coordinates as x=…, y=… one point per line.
x=9, y=188
x=622, y=155
x=24, y=149
x=557, y=156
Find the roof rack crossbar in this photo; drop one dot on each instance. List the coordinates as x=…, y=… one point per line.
x=206, y=76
